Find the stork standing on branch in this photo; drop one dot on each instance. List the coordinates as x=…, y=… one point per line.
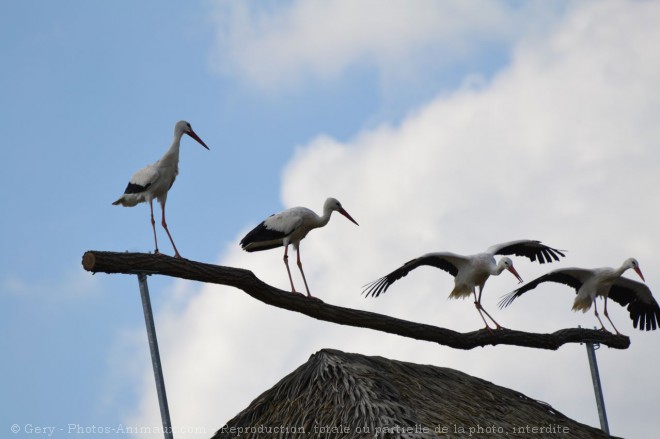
x=155, y=180
x=607, y=283
x=290, y=227
x=471, y=272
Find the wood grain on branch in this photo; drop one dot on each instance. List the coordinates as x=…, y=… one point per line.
x=134, y=263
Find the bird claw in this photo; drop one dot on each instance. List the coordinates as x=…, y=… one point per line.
x=307, y=296
x=496, y=328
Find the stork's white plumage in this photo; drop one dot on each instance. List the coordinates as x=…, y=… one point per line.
x=155, y=180
x=290, y=227
x=607, y=283
x=471, y=272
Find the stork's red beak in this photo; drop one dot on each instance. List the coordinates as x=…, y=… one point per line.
x=515, y=273
x=192, y=134
x=343, y=212
x=638, y=271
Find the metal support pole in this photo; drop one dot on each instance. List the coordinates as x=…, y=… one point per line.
x=598, y=390
x=155, y=356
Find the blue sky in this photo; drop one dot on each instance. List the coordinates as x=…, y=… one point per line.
x=421, y=117
x=91, y=94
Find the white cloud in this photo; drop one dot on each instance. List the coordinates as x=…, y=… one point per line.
x=560, y=146
x=279, y=46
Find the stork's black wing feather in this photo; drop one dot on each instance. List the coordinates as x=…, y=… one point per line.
x=437, y=260
x=134, y=188
x=642, y=306
x=573, y=277
x=533, y=250
x=262, y=238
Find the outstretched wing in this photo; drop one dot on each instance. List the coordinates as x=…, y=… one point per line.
x=443, y=261
x=642, y=306
x=534, y=250
x=573, y=277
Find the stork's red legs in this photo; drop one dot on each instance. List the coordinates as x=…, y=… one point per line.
x=153, y=225
x=602, y=327
x=608, y=317
x=482, y=311
x=286, y=263
x=288, y=271
x=302, y=272
x=164, y=224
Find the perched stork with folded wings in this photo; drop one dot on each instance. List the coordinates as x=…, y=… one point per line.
x=290, y=227
x=155, y=180
x=471, y=272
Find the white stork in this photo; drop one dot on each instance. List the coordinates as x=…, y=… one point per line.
x=290, y=227
x=471, y=271
x=155, y=180
x=607, y=283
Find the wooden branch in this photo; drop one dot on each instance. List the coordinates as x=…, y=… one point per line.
x=134, y=263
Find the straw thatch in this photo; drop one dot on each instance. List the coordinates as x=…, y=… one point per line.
x=340, y=395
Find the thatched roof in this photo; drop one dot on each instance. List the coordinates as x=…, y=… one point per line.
x=340, y=395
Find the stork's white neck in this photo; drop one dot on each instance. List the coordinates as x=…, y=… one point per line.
x=619, y=271
x=171, y=156
x=323, y=220
x=498, y=269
